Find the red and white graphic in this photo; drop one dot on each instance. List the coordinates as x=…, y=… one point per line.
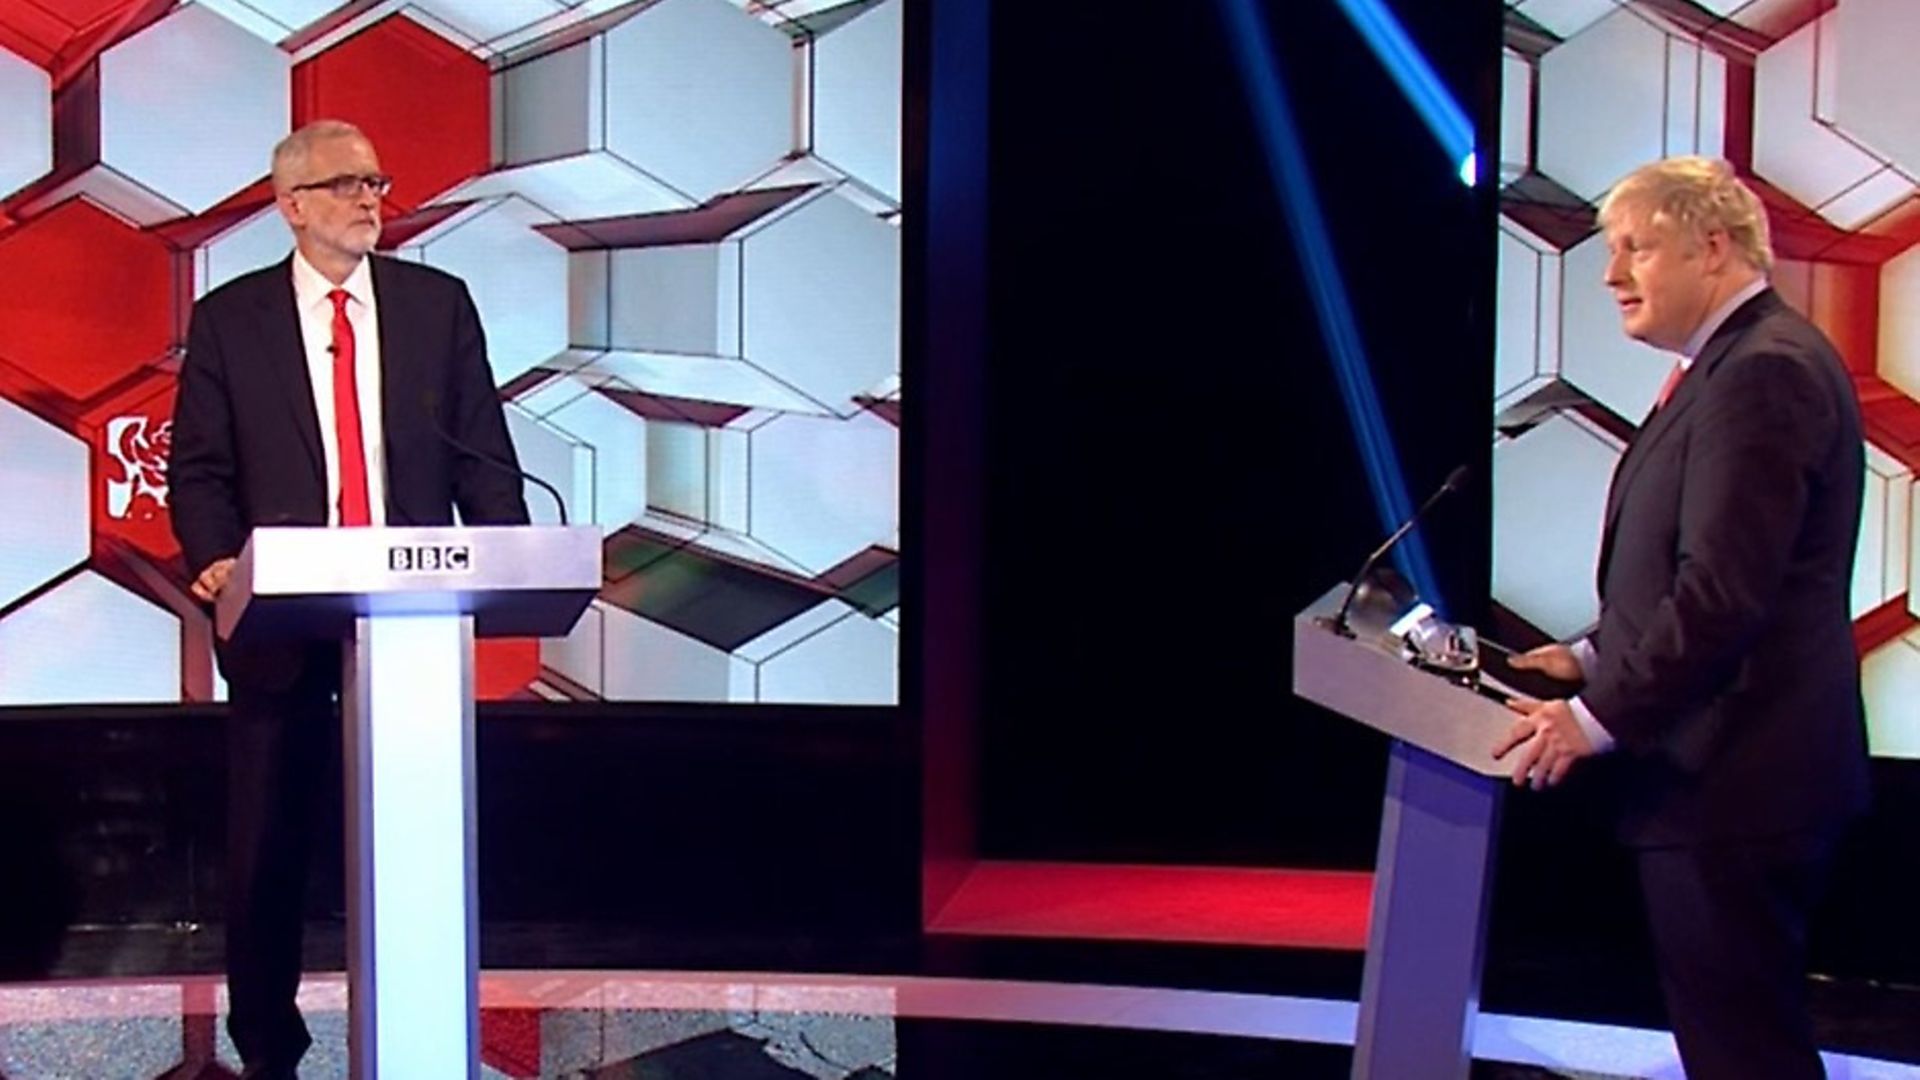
x=597, y=173
x=140, y=447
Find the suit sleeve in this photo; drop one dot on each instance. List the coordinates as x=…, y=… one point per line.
x=203, y=472
x=485, y=492
x=1766, y=423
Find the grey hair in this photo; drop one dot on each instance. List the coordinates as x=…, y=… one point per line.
x=290, y=153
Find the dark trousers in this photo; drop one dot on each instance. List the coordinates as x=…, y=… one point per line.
x=1729, y=925
x=283, y=760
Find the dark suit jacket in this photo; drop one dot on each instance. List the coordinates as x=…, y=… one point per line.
x=246, y=436
x=1725, y=663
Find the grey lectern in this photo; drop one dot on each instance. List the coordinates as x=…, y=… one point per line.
x=1420, y=993
x=408, y=604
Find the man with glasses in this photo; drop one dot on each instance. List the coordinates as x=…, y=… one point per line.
x=334, y=388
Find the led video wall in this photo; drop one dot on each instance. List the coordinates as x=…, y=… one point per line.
x=680, y=222
x=1817, y=103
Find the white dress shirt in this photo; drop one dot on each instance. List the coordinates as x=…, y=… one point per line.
x=1583, y=650
x=310, y=297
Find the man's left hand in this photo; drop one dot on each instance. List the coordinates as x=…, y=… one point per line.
x=1550, y=741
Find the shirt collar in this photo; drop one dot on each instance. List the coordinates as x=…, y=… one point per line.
x=1718, y=319
x=311, y=287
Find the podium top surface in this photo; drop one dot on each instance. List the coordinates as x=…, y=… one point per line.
x=1368, y=681
x=516, y=580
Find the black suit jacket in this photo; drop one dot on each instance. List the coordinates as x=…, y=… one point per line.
x=246, y=436
x=1725, y=664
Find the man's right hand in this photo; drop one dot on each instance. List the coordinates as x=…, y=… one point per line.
x=1555, y=661
x=211, y=580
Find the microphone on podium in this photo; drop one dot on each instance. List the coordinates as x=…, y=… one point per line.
x=1456, y=480
x=430, y=402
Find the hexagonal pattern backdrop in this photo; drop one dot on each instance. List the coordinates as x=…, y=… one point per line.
x=1817, y=104
x=680, y=221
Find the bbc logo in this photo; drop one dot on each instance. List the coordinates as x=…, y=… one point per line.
x=430, y=558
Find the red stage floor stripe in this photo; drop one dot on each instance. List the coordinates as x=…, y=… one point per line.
x=1316, y=909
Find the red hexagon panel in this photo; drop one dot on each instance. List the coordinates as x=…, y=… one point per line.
x=64, y=35
x=381, y=78
x=88, y=300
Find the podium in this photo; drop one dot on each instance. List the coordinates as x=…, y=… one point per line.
x=1420, y=991
x=408, y=603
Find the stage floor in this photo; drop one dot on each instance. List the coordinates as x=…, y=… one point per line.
x=773, y=1026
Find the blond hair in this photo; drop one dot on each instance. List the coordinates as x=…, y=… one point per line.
x=290, y=153
x=1698, y=195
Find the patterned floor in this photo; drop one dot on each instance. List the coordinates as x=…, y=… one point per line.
x=681, y=1026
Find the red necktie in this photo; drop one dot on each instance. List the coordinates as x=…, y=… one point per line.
x=1666, y=388
x=346, y=419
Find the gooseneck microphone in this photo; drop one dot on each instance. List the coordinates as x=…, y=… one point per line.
x=1456, y=480
x=431, y=403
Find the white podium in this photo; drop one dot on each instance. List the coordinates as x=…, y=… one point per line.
x=1420, y=993
x=408, y=603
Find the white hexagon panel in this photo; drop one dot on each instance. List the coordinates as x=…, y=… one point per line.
x=1880, y=564
x=784, y=299
x=155, y=101
x=857, y=97
x=832, y=654
x=1564, y=18
x=648, y=661
x=560, y=459
x=618, y=436
x=270, y=20
x=1549, y=503
x=1899, y=351
x=484, y=21
x=678, y=102
x=132, y=654
x=1623, y=91
x=45, y=480
x=1526, y=351
x=820, y=299
x=1876, y=85
x=696, y=613
x=1795, y=144
x=250, y=242
x=1890, y=683
x=26, y=123
x=518, y=277
x=1516, y=116
x=678, y=60
x=820, y=489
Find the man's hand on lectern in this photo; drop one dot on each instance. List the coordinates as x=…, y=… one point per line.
x=1550, y=741
x=1556, y=661
x=211, y=580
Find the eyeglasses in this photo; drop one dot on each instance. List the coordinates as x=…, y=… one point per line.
x=349, y=185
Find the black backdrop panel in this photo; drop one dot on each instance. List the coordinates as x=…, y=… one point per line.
x=1173, y=472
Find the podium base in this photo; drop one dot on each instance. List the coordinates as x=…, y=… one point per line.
x=1420, y=994
x=412, y=950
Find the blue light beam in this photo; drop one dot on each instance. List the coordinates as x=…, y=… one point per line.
x=1409, y=68
x=1286, y=157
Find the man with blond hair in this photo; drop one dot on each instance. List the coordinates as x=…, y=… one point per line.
x=334, y=388
x=1721, y=678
